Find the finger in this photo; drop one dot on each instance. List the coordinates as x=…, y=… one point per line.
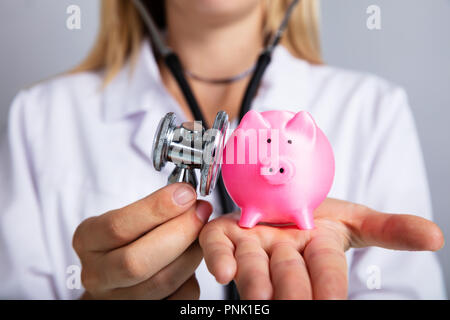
x=289, y=275
x=142, y=259
x=167, y=281
x=397, y=232
x=219, y=253
x=188, y=291
x=392, y=231
x=327, y=266
x=119, y=227
x=253, y=275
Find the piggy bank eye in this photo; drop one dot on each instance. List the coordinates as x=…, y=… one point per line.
x=290, y=141
x=269, y=140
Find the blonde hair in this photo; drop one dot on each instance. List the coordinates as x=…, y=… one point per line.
x=121, y=33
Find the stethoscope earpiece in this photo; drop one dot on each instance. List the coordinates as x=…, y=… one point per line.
x=190, y=147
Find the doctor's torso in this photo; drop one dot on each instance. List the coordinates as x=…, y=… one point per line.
x=87, y=150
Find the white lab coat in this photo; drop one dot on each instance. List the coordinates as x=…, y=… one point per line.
x=74, y=151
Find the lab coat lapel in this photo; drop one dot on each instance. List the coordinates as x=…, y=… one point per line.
x=137, y=94
x=126, y=94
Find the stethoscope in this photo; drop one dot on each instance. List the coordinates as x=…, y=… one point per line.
x=190, y=146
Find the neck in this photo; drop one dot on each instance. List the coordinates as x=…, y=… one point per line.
x=215, y=48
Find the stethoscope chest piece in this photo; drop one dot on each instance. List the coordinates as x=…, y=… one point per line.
x=189, y=146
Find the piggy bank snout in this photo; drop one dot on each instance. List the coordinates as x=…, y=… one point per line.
x=277, y=171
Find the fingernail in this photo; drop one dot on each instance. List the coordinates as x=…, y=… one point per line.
x=184, y=195
x=203, y=211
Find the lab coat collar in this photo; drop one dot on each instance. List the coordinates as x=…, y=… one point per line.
x=140, y=90
x=134, y=88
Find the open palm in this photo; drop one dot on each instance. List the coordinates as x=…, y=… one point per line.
x=270, y=262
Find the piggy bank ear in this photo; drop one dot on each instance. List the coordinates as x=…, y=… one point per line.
x=254, y=120
x=304, y=123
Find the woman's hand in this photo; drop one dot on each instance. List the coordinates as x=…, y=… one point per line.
x=147, y=250
x=269, y=262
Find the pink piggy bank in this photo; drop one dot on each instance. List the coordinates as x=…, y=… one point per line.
x=278, y=167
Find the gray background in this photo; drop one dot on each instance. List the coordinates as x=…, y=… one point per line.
x=412, y=49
